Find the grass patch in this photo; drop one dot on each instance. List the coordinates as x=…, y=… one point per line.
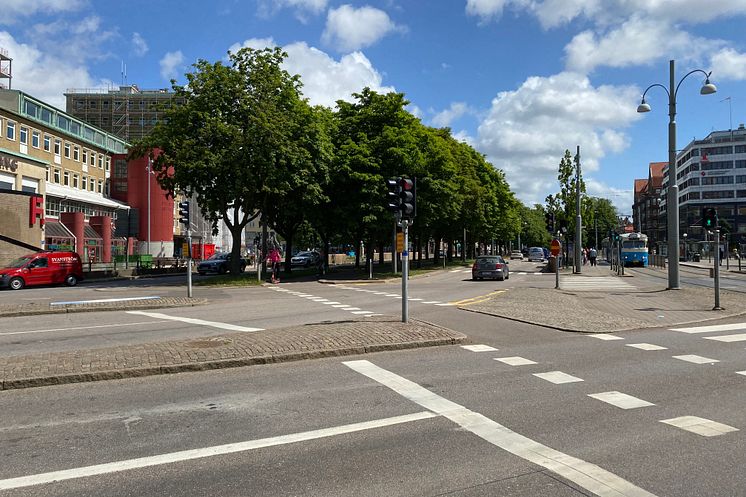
x=244, y=279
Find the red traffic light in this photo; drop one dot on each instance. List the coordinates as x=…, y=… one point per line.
x=406, y=184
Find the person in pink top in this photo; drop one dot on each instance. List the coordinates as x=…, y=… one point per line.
x=273, y=260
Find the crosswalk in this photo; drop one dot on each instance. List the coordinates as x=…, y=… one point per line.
x=584, y=283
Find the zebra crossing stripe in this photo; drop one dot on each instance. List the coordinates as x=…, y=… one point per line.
x=707, y=329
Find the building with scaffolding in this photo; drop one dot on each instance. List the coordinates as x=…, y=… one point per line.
x=6, y=69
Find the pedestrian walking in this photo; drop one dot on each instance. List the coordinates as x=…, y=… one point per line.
x=273, y=261
x=592, y=255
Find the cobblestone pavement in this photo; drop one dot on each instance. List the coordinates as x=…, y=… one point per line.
x=232, y=350
x=597, y=309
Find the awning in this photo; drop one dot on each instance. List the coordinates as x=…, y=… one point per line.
x=90, y=234
x=56, y=230
x=59, y=191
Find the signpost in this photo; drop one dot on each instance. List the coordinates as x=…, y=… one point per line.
x=555, y=248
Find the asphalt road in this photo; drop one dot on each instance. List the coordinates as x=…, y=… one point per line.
x=440, y=421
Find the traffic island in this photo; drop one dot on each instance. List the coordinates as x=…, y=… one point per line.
x=119, y=304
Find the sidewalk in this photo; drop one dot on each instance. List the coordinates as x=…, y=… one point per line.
x=615, y=304
x=224, y=351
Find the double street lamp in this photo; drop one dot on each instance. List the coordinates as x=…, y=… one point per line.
x=672, y=202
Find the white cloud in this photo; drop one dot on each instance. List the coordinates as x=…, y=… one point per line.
x=348, y=28
x=486, y=9
x=139, y=45
x=729, y=64
x=527, y=131
x=445, y=117
x=302, y=8
x=170, y=64
x=636, y=42
x=12, y=10
x=324, y=79
x=46, y=75
x=621, y=199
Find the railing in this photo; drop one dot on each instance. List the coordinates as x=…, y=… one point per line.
x=657, y=261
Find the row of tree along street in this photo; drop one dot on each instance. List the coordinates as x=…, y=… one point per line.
x=244, y=140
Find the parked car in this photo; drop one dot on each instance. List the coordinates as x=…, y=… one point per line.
x=42, y=268
x=309, y=258
x=535, y=254
x=490, y=266
x=218, y=263
x=516, y=255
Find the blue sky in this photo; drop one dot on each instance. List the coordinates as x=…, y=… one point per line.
x=521, y=80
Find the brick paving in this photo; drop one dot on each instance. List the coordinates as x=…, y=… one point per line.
x=224, y=351
x=33, y=308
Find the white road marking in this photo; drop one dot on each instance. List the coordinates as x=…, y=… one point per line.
x=379, y=293
x=329, y=303
x=432, y=302
x=444, y=305
x=414, y=300
x=595, y=283
x=391, y=295
x=371, y=315
x=620, y=400
x=218, y=450
x=479, y=348
x=646, y=346
x=605, y=336
x=455, y=271
x=707, y=329
x=729, y=338
x=584, y=474
x=99, y=301
x=305, y=295
x=741, y=372
x=515, y=361
x=700, y=426
x=522, y=273
x=557, y=377
x=319, y=299
x=341, y=306
x=78, y=328
x=200, y=322
x=696, y=359
x=362, y=312
x=352, y=309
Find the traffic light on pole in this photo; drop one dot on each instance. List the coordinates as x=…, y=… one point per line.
x=549, y=220
x=407, y=198
x=392, y=195
x=709, y=218
x=184, y=213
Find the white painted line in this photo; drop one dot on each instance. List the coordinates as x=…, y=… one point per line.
x=479, y=348
x=398, y=297
x=371, y=315
x=696, y=359
x=341, y=306
x=414, y=300
x=391, y=295
x=584, y=474
x=432, y=302
x=319, y=299
x=521, y=274
x=515, y=361
x=446, y=304
x=620, y=400
x=729, y=338
x=305, y=295
x=557, y=377
x=218, y=450
x=200, y=322
x=605, y=336
x=741, y=372
x=352, y=309
x=707, y=329
x=646, y=346
x=329, y=303
x=77, y=328
x=455, y=271
x=362, y=312
x=379, y=293
x=98, y=301
x=700, y=426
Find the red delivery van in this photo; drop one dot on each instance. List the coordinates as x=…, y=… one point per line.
x=42, y=268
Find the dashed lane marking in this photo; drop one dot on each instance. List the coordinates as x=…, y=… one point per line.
x=362, y=312
x=741, y=372
x=696, y=359
x=588, y=476
x=199, y=322
x=341, y=306
x=700, y=426
x=446, y=304
x=620, y=400
x=708, y=329
x=605, y=336
x=479, y=348
x=515, y=361
x=218, y=450
x=729, y=338
x=432, y=302
x=646, y=346
x=557, y=377
x=330, y=303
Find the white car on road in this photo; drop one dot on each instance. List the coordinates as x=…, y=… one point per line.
x=536, y=254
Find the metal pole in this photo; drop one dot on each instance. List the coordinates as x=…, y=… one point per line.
x=716, y=271
x=595, y=225
x=189, y=263
x=726, y=252
x=370, y=267
x=578, y=218
x=463, y=248
x=556, y=271
x=405, y=273
x=149, y=172
x=393, y=250
x=672, y=203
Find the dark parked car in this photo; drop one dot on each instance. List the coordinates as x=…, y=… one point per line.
x=218, y=263
x=309, y=258
x=490, y=266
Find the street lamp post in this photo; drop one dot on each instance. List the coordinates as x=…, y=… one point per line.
x=672, y=202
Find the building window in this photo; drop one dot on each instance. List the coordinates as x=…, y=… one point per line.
x=718, y=194
x=108, y=163
x=92, y=160
x=101, y=186
x=741, y=193
x=717, y=150
x=23, y=136
x=67, y=149
x=92, y=184
x=741, y=178
x=85, y=156
x=7, y=181
x=76, y=154
x=85, y=182
x=718, y=180
x=76, y=184
x=100, y=161
x=10, y=132
x=712, y=166
x=57, y=176
x=29, y=185
x=35, y=138
x=66, y=179
x=47, y=143
x=740, y=149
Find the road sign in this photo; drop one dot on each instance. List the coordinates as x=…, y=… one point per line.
x=555, y=247
x=400, y=242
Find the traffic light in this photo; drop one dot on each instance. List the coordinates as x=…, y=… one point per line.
x=407, y=198
x=184, y=213
x=392, y=196
x=549, y=220
x=709, y=218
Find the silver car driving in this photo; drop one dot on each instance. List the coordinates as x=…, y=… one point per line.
x=490, y=266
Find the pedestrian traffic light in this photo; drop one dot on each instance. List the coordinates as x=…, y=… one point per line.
x=549, y=220
x=392, y=195
x=709, y=218
x=408, y=198
x=184, y=213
